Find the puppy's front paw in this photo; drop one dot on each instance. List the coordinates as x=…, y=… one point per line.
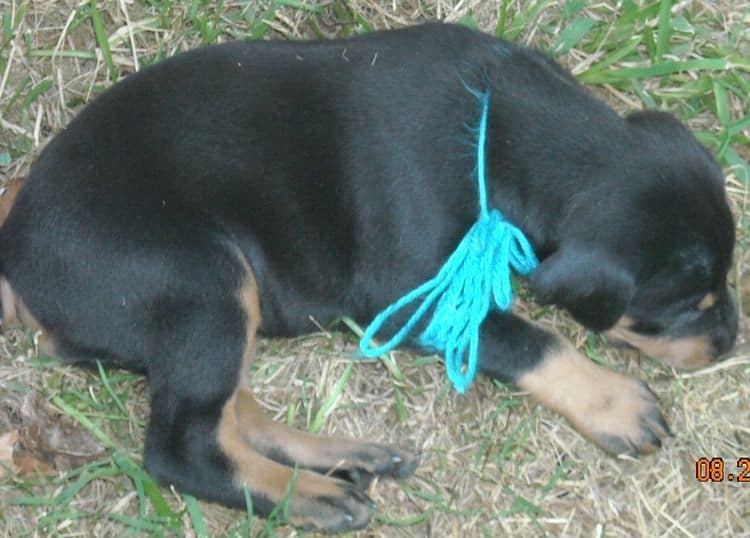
x=628, y=420
x=617, y=412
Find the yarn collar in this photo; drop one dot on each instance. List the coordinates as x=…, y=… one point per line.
x=475, y=278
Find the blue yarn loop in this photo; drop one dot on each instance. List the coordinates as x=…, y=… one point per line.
x=476, y=277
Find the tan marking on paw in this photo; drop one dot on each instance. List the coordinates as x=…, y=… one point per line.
x=615, y=411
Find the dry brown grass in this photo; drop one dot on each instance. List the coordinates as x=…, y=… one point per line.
x=493, y=462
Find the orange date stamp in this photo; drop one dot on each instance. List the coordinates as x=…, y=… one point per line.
x=716, y=470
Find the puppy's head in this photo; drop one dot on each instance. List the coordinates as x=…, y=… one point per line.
x=644, y=255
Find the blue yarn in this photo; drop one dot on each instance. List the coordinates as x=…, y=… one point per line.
x=476, y=276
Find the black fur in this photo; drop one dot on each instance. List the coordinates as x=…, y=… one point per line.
x=342, y=171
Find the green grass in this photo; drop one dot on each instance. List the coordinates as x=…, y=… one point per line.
x=693, y=62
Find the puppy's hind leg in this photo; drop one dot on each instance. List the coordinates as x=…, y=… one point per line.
x=195, y=440
x=357, y=462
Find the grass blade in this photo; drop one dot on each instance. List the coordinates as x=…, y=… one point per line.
x=387, y=358
x=657, y=70
x=105, y=380
x=572, y=34
x=101, y=39
x=665, y=29
x=722, y=103
x=333, y=398
x=86, y=423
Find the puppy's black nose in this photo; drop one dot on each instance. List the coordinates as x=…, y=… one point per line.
x=722, y=340
x=725, y=334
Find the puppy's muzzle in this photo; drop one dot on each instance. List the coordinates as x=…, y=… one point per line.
x=724, y=333
x=698, y=344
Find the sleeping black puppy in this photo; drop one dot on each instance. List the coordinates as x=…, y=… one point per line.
x=249, y=186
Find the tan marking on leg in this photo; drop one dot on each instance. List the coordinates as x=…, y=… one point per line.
x=260, y=473
x=14, y=310
x=316, y=501
x=250, y=301
x=8, y=196
x=687, y=352
x=251, y=304
x=321, y=453
x=707, y=302
x=16, y=313
x=300, y=447
x=615, y=411
x=8, y=297
x=625, y=322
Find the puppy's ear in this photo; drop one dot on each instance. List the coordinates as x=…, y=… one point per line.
x=589, y=282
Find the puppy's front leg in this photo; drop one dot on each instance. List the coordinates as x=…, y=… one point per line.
x=617, y=412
